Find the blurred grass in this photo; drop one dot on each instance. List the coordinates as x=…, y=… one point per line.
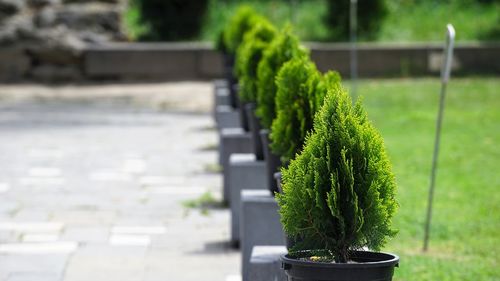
x=466, y=216
x=306, y=16
x=407, y=21
x=413, y=20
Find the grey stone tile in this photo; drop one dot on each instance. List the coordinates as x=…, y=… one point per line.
x=86, y=234
x=31, y=226
x=100, y=262
x=112, y=166
x=34, y=276
x=140, y=229
x=45, y=248
x=53, y=264
x=45, y=172
x=139, y=240
x=85, y=216
x=4, y=187
x=39, y=237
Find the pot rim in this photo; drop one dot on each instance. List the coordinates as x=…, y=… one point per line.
x=390, y=260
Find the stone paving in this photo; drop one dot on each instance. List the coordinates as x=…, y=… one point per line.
x=93, y=188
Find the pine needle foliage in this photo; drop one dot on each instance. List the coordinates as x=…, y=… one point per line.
x=243, y=20
x=248, y=56
x=339, y=193
x=300, y=92
x=282, y=49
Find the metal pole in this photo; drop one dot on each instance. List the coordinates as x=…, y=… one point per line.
x=353, y=25
x=445, y=77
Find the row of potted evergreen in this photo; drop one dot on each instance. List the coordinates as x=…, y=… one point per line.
x=337, y=196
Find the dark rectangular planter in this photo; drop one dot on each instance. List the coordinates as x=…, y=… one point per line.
x=272, y=160
x=254, y=126
x=231, y=79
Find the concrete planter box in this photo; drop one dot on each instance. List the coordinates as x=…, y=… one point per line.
x=231, y=140
x=245, y=173
x=254, y=128
x=221, y=93
x=260, y=224
x=265, y=264
x=226, y=117
x=273, y=161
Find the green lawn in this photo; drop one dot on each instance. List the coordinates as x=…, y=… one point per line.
x=466, y=221
x=426, y=21
x=306, y=16
x=407, y=20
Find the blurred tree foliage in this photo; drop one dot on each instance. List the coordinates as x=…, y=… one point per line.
x=370, y=14
x=170, y=20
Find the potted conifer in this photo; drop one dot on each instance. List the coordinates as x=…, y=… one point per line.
x=229, y=41
x=339, y=198
x=248, y=56
x=282, y=49
x=301, y=90
x=285, y=47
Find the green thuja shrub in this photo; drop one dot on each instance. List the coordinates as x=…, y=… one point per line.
x=243, y=20
x=283, y=48
x=339, y=193
x=249, y=55
x=300, y=93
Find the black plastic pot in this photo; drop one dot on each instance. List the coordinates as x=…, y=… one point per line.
x=273, y=161
x=254, y=126
x=369, y=266
x=242, y=111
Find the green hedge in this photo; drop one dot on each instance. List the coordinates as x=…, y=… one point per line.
x=243, y=21
x=283, y=48
x=300, y=93
x=248, y=56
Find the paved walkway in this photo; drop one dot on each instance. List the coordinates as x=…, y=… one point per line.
x=92, y=186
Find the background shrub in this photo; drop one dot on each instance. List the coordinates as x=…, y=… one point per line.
x=406, y=20
x=339, y=193
x=300, y=93
x=369, y=18
x=283, y=48
x=169, y=20
x=249, y=55
x=243, y=20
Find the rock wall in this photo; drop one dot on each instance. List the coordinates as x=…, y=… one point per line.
x=43, y=40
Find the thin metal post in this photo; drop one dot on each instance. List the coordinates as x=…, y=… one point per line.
x=353, y=26
x=445, y=77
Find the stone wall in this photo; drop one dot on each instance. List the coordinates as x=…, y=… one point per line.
x=198, y=61
x=44, y=40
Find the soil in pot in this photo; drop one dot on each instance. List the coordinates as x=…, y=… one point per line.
x=363, y=266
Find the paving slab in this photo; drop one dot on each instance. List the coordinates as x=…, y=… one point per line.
x=95, y=180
